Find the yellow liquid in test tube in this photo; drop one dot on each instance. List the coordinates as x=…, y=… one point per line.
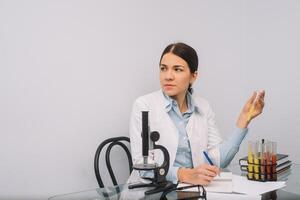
x=250, y=159
x=256, y=161
x=251, y=111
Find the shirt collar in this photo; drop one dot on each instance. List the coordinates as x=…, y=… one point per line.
x=170, y=102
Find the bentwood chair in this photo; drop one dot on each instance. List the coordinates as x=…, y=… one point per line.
x=111, y=142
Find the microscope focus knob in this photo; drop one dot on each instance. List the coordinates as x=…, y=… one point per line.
x=154, y=136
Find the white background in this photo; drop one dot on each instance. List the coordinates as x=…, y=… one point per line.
x=70, y=71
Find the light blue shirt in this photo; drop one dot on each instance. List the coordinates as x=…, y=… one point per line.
x=228, y=148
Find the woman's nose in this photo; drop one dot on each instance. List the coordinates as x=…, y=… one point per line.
x=169, y=75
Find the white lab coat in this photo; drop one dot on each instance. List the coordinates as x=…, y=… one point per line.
x=201, y=129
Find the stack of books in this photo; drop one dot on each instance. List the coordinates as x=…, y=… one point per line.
x=283, y=166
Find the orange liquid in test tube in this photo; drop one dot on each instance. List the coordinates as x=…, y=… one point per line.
x=263, y=162
x=274, y=161
x=269, y=161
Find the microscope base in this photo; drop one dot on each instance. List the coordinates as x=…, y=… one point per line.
x=159, y=187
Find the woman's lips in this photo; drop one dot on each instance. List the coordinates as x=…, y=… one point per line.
x=168, y=86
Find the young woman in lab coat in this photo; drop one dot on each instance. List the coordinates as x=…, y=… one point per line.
x=186, y=123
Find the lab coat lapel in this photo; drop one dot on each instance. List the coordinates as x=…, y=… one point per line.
x=197, y=134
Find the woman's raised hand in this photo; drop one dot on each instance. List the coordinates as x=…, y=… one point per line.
x=253, y=107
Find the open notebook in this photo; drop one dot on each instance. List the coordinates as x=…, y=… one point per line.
x=221, y=183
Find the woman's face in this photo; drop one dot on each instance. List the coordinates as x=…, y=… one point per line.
x=175, y=75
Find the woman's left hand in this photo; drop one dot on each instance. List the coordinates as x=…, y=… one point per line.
x=253, y=107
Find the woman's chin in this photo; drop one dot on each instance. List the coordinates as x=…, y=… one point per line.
x=170, y=93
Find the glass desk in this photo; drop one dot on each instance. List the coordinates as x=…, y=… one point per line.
x=290, y=192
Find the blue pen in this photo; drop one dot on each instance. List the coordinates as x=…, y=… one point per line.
x=207, y=158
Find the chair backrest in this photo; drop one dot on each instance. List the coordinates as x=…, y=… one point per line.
x=111, y=142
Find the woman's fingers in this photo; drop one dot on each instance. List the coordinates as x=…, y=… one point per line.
x=202, y=181
x=251, y=99
x=208, y=170
x=257, y=104
x=262, y=94
x=212, y=168
x=249, y=102
x=205, y=177
x=260, y=103
x=260, y=97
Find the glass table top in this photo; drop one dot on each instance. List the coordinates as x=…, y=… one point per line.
x=122, y=191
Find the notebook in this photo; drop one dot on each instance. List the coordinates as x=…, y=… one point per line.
x=221, y=183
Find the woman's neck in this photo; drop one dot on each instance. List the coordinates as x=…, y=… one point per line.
x=181, y=102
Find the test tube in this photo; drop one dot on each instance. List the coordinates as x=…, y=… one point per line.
x=256, y=160
x=274, y=161
x=269, y=160
x=250, y=159
x=263, y=161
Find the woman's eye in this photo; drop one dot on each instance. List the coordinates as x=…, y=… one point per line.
x=163, y=68
x=178, y=70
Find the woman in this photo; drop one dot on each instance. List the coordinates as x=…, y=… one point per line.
x=186, y=123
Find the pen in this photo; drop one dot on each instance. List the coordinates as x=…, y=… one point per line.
x=207, y=158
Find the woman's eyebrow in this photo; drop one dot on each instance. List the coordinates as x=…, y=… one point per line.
x=178, y=66
x=164, y=65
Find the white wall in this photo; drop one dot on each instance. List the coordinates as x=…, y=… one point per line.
x=70, y=71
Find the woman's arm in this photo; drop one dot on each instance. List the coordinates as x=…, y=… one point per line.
x=251, y=109
x=203, y=174
x=231, y=145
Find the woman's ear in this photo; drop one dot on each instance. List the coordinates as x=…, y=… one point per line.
x=194, y=77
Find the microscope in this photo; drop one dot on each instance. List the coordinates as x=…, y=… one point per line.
x=159, y=181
